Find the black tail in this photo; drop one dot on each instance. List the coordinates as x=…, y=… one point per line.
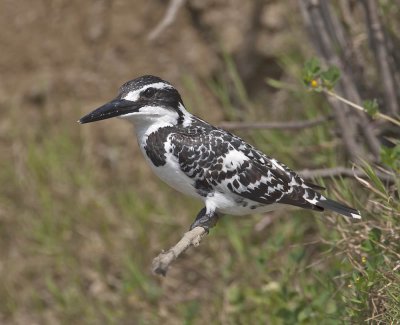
x=339, y=208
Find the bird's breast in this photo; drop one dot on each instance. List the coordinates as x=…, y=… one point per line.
x=157, y=150
x=171, y=173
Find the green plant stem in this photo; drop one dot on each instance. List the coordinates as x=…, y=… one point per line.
x=360, y=108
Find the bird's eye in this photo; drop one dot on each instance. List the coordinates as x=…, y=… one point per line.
x=149, y=92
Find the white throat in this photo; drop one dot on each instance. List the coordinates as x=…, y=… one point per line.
x=150, y=119
x=145, y=124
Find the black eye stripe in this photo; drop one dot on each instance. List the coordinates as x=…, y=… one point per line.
x=149, y=92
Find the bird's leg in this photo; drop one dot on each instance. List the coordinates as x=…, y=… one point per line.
x=205, y=219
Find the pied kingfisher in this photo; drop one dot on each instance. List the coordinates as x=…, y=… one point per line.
x=229, y=175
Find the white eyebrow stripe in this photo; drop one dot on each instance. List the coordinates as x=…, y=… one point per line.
x=134, y=94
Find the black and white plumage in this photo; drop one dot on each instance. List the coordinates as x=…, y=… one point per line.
x=198, y=159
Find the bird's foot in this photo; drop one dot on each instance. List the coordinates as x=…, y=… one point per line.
x=205, y=219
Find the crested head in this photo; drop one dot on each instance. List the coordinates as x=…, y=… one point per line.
x=144, y=98
x=141, y=83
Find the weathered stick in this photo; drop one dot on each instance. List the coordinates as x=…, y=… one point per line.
x=162, y=262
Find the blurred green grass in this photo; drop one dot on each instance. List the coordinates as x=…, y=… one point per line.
x=82, y=218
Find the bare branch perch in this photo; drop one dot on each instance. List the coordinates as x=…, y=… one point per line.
x=164, y=259
x=291, y=125
x=360, y=108
x=343, y=172
x=168, y=19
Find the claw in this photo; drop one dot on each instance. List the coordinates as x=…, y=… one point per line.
x=205, y=219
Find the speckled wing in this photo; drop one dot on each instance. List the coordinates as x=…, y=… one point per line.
x=218, y=160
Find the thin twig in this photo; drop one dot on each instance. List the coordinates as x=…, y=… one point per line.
x=164, y=259
x=291, y=125
x=168, y=19
x=360, y=108
x=343, y=172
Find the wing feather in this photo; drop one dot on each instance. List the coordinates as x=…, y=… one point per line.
x=218, y=160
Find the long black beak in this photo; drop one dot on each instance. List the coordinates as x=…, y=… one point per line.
x=114, y=108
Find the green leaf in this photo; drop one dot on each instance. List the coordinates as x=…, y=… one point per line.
x=367, y=246
x=375, y=234
x=371, y=106
x=316, y=79
x=311, y=71
x=391, y=156
x=313, y=66
x=330, y=77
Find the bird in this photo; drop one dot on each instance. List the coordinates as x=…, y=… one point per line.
x=198, y=159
